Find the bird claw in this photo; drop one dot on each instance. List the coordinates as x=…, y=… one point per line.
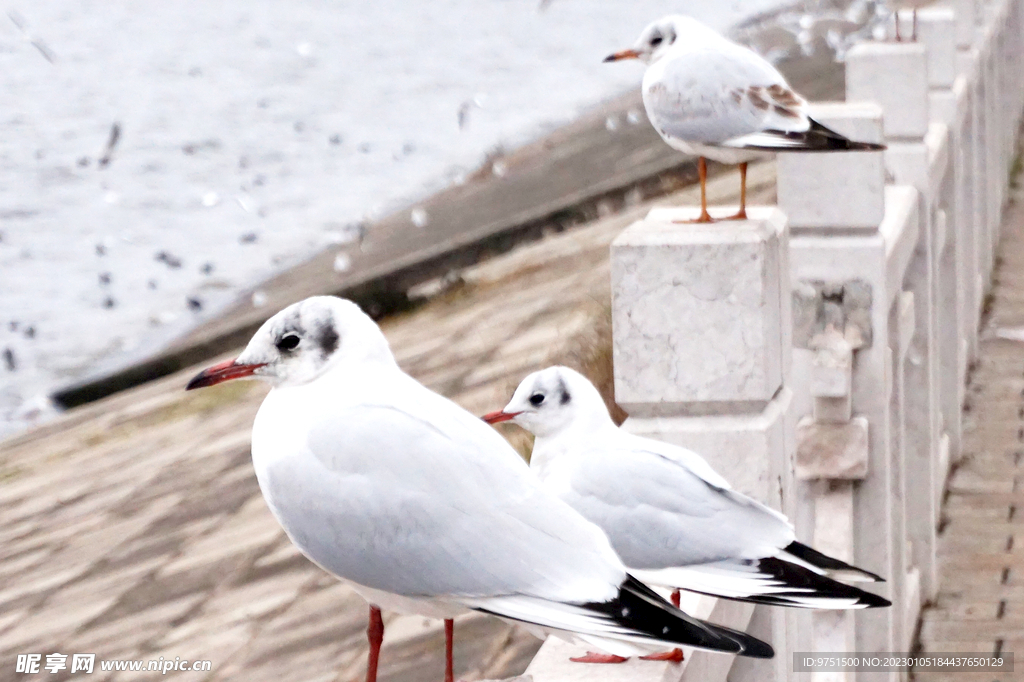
x=593, y=657
x=675, y=656
x=704, y=217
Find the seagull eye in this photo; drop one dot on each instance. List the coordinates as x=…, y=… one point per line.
x=656, y=41
x=288, y=343
x=536, y=398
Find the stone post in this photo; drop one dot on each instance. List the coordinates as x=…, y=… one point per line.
x=843, y=378
x=701, y=329
x=939, y=32
x=909, y=162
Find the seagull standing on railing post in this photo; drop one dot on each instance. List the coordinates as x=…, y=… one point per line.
x=713, y=98
x=423, y=507
x=673, y=520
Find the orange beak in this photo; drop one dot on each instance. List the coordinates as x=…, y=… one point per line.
x=499, y=416
x=225, y=371
x=624, y=54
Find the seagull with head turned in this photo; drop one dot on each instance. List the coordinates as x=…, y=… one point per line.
x=716, y=99
x=673, y=520
x=422, y=507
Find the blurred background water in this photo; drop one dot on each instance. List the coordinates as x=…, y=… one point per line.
x=158, y=157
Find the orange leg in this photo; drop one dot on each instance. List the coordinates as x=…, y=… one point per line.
x=449, y=639
x=913, y=30
x=702, y=174
x=742, y=213
x=593, y=657
x=899, y=38
x=375, y=634
x=675, y=655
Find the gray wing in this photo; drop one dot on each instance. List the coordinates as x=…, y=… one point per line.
x=659, y=514
x=394, y=502
x=715, y=93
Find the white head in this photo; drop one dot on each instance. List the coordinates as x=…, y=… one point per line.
x=552, y=401
x=302, y=342
x=659, y=37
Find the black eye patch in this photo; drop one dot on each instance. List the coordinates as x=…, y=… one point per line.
x=288, y=342
x=327, y=339
x=536, y=398
x=656, y=41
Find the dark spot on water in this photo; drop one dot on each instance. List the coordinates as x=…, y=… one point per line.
x=30, y=332
x=248, y=238
x=194, y=304
x=364, y=148
x=151, y=284
x=9, y=360
x=171, y=260
x=109, y=302
x=101, y=250
x=83, y=162
x=299, y=126
x=13, y=325
x=104, y=278
x=335, y=139
x=206, y=268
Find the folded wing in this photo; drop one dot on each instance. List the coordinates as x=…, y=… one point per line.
x=715, y=93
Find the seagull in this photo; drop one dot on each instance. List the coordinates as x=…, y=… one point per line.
x=673, y=520
x=716, y=99
x=422, y=507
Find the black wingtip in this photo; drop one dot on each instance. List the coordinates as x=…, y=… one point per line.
x=854, y=146
x=808, y=584
x=755, y=648
x=825, y=562
x=640, y=608
x=874, y=601
x=830, y=140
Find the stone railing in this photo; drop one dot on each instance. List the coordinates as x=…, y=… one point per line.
x=816, y=354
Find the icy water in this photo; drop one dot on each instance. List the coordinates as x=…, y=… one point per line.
x=248, y=135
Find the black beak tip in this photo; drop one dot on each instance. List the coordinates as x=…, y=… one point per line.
x=201, y=380
x=609, y=58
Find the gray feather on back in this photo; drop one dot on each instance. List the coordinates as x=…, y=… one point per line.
x=660, y=514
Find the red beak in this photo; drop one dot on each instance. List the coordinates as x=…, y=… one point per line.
x=225, y=371
x=499, y=416
x=624, y=54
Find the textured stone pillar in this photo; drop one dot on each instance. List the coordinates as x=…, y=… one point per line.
x=701, y=328
x=915, y=154
x=842, y=379
x=937, y=30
